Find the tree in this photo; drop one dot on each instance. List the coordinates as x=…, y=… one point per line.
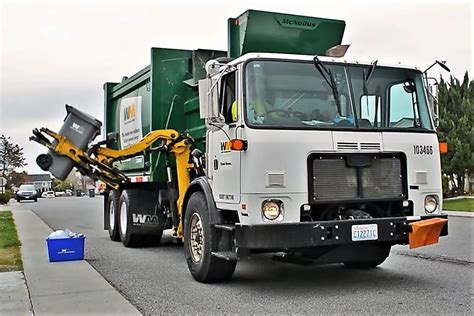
x=68, y=183
x=456, y=107
x=16, y=179
x=11, y=156
x=59, y=185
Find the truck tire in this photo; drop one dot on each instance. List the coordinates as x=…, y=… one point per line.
x=127, y=202
x=377, y=259
x=200, y=239
x=113, y=215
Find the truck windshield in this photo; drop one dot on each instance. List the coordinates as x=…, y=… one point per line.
x=285, y=94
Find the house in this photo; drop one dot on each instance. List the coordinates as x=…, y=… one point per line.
x=42, y=182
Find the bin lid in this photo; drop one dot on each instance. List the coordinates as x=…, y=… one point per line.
x=86, y=117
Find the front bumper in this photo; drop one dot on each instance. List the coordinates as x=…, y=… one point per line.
x=281, y=236
x=26, y=197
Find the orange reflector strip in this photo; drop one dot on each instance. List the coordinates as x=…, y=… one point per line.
x=425, y=232
x=443, y=147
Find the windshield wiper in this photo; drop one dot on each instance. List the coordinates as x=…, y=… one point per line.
x=329, y=78
x=367, y=77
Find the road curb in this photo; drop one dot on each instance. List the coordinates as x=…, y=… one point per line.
x=459, y=197
x=73, y=287
x=459, y=214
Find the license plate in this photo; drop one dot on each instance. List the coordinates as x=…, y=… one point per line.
x=364, y=232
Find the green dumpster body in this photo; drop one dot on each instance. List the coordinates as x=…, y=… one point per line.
x=169, y=100
x=167, y=89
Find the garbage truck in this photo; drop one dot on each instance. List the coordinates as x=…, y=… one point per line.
x=277, y=145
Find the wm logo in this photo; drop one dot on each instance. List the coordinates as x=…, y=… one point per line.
x=78, y=128
x=145, y=219
x=130, y=112
x=225, y=146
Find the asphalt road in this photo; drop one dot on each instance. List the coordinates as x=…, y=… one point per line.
x=434, y=280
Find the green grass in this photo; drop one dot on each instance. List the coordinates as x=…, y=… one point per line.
x=463, y=205
x=10, y=256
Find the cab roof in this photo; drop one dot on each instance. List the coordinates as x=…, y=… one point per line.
x=309, y=58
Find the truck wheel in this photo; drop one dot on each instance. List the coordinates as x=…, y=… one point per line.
x=379, y=257
x=127, y=202
x=200, y=239
x=113, y=215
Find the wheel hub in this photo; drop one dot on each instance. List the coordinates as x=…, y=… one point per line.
x=123, y=218
x=112, y=215
x=196, y=240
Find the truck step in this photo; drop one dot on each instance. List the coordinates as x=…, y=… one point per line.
x=230, y=228
x=226, y=255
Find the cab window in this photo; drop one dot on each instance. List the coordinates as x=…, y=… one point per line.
x=403, y=105
x=228, y=96
x=370, y=112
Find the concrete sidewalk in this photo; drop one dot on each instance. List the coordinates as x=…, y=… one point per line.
x=65, y=287
x=14, y=298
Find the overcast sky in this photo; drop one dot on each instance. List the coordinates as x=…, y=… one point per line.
x=58, y=52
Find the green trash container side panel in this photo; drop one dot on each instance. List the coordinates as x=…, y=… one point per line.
x=167, y=103
x=169, y=69
x=112, y=117
x=260, y=31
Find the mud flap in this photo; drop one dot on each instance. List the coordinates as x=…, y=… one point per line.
x=147, y=217
x=425, y=232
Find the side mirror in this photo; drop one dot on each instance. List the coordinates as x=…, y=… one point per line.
x=208, y=99
x=409, y=87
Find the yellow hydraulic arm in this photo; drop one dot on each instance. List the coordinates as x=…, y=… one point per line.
x=97, y=162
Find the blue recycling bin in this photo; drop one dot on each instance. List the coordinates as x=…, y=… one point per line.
x=65, y=249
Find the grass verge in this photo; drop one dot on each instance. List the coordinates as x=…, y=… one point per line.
x=10, y=256
x=462, y=205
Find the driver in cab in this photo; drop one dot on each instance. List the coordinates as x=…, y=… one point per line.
x=258, y=108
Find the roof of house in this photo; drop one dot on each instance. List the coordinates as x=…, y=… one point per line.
x=37, y=177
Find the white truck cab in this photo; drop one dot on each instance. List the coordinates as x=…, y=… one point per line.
x=375, y=150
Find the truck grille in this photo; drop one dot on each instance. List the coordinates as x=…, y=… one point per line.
x=341, y=177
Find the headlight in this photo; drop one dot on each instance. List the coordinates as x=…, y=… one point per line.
x=431, y=204
x=272, y=210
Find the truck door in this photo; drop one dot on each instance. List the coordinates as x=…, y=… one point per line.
x=223, y=163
